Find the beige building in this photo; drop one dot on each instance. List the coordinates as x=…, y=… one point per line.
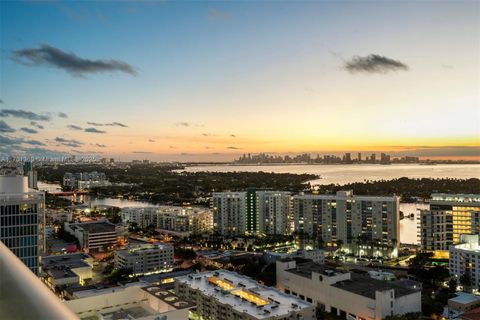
x=225, y=295
x=347, y=295
x=145, y=259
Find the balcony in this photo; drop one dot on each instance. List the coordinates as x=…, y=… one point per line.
x=23, y=295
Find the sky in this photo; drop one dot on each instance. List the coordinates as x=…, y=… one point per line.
x=207, y=81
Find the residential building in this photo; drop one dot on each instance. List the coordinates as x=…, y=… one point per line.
x=251, y=212
x=194, y=220
x=145, y=259
x=22, y=218
x=364, y=225
x=225, y=295
x=136, y=302
x=346, y=294
x=465, y=260
x=448, y=217
x=94, y=236
x=85, y=180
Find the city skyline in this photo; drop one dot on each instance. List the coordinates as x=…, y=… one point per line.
x=211, y=81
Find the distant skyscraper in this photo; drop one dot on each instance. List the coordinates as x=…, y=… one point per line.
x=31, y=174
x=359, y=157
x=22, y=219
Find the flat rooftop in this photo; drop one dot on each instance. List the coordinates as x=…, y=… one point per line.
x=96, y=227
x=243, y=294
x=465, y=298
x=306, y=269
x=168, y=296
x=59, y=266
x=143, y=248
x=365, y=286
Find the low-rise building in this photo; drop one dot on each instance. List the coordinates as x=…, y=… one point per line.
x=145, y=259
x=465, y=260
x=346, y=294
x=135, y=302
x=65, y=269
x=95, y=236
x=225, y=295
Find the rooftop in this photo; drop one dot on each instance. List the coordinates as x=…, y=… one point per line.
x=464, y=298
x=168, y=297
x=143, y=248
x=366, y=286
x=305, y=270
x=244, y=294
x=59, y=266
x=96, y=227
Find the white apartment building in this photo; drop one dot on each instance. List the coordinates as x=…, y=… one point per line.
x=350, y=296
x=465, y=259
x=251, y=212
x=136, y=302
x=359, y=222
x=145, y=259
x=225, y=295
x=449, y=216
x=94, y=236
x=193, y=220
x=22, y=218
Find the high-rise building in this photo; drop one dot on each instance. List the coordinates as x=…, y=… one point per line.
x=449, y=216
x=22, y=219
x=251, y=212
x=363, y=223
x=359, y=157
x=31, y=174
x=464, y=259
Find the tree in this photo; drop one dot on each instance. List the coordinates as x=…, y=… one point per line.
x=466, y=281
x=452, y=285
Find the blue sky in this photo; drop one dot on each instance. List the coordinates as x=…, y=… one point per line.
x=272, y=74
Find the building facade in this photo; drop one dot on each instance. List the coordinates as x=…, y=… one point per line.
x=93, y=237
x=225, y=295
x=251, y=212
x=22, y=219
x=449, y=216
x=344, y=294
x=145, y=259
x=358, y=222
x=464, y=260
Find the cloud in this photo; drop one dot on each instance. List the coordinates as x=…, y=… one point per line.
x=69, y=142
x=100, y=145
x=234, y=148
x=24, y=115
x=208, y=135
x=146, y=152
x=62, y=115
x=233, y=136
x=5, y=128
x=68, y=61
x=172, y=147
x=151, y=140
x=188, y=124
x=111, y=124
x=94, y=130
x=8, y=141
x=374, y=63
x=36, y=125
x=218, y=15
x=1, y=101
x=29, y=130
x=74, y=127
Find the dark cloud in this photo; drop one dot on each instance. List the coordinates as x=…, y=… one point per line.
x=233, y=136
x=186, y=154
x=74, y=127
x=151, y=140
x=374, y=63
x=5, y=128
x=100, y=145
x=218, y=15
x=69, y=142
x=62, y=115
x=234, y=148
x=29, y=130
x=188, y=124
x=68, y=61
x=173, y=147
x=1, y=101
x=36, y=125
x=94, y=130
x=208, y=135
x=8, y=141
x=111, y=124
x=24, y=115
x=147, y=152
